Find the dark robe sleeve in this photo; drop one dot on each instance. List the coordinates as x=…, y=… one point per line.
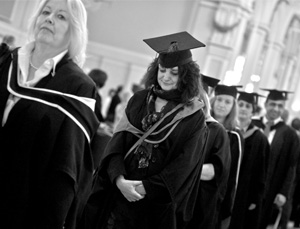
x=174, y=175
x=292, y=161
x=218, y=154
x=236, y=149
x=59, y=195
x=258, y=183
x=98, y=108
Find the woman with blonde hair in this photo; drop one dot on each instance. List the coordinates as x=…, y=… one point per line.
x=224, y=110
x=215, y=171
x=48, y=122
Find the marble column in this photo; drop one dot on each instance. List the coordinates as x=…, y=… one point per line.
x=271, y=65
x=254, y=50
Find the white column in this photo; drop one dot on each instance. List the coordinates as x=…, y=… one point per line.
x=254, y=50
x=271, y=65
x=285, y=79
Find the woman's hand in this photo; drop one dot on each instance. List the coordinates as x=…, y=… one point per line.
x=208, y=172
x=252, y=207
x=280, y=200
x=140, y=189
x=128, y=188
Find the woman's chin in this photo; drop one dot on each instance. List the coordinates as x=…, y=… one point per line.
x=166, y=88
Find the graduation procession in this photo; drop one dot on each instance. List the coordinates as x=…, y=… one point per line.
x=147, y=114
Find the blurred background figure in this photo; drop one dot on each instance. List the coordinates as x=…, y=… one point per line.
x=120, y=108
x=285, y=115
x=252, y=179
x=111, y=111
x=295, y=214
x=99, y=77
x=283, y=160
x=296, y=125
x=9, y=40
x=107, y=101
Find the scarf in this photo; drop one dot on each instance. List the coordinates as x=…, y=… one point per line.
x=173, y=97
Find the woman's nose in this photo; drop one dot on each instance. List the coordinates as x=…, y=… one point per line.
x=222, y=103
x=49, y=19
x=167, y=75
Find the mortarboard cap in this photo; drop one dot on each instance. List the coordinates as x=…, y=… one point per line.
x=208, y=81
x=249, y=97
x=276, y=94
x=227, y=90
x=174, y=49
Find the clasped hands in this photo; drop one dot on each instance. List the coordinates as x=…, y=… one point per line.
x=132, y=190
x=280, y=200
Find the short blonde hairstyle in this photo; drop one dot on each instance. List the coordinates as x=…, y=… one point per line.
x=78, y=29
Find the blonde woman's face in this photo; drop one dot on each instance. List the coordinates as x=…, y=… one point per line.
x=53, y=25
x=167, y=77
x=223, y=105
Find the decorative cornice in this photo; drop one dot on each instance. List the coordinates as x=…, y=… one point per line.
x=227, y=17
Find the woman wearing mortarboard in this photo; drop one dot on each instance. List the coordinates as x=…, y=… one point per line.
x=154, y=181
x=224, y=110
x=215, y=170
x=252, y=179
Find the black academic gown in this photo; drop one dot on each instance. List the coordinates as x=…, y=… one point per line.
x=111, y=112
x=46, y=163
x=172, y=179
x=252, y=180
x=98, y=108
x=211, y=193
x=236, y=150
x=281, y=166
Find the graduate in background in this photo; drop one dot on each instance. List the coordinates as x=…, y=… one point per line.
x=252, y=179
x=216, y=167
x=283, y=158
x=99, y=77
x=224, y=110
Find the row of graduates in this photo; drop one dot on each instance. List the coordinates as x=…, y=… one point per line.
x=250, y=172
x=184, y=162
x=234, y=173
x=48, y=143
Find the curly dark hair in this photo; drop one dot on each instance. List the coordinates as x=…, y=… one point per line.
x=189, y=82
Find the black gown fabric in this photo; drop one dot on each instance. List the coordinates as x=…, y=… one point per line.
x=236, y=150
x=111, y=112
x=46, y=163
x=98, y=108
x=172, y=178
x=211, y=193
x=281, y=166
x=252, y=180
